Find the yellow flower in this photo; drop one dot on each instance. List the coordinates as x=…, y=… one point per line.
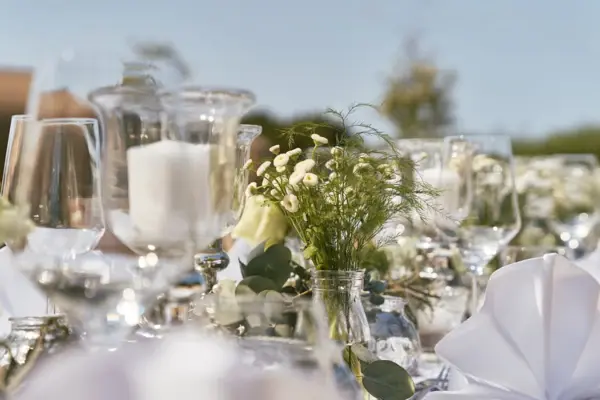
x=260, y=222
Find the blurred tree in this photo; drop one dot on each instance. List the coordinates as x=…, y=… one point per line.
x=584, y=139
x=418, y=96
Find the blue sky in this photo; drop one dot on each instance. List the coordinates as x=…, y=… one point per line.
x=524, y=66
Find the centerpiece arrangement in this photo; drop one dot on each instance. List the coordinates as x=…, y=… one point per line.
x=337, y=200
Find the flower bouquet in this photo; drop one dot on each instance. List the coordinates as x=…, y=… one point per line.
x=337, y=200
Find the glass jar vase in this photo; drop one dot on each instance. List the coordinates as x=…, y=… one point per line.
x=393, y=336
x=340, y=294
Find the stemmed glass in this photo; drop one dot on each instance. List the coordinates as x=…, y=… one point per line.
x=52, y=172
x=215, y=259
x=575, y=198
x=490, y=219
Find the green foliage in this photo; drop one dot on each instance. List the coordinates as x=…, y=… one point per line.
x=269, y=269
x=338, y=199
x=418, y=97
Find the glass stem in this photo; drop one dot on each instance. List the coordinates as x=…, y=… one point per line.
x=474, y=293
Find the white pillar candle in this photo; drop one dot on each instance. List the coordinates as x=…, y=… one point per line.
x=448, y=181
x=169, y=190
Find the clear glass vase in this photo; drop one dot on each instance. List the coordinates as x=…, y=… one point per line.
x=339, y=292
x=394, y=336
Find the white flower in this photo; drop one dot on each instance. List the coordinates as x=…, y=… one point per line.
x=361, y=167
x=274, y=192
x=280, y=169
x=265, y=181
x=290, y=203
x=331, y=165
x=251, y=189
x=275, y=149
x=336, y=151
x=332, y=176
x=310, y=179
x=260, y=199
x=296, y=177
x=363, y=157
x=14, y=222
x=294, y=152
x=318, y=139
x=247, y=165
x=305, y=165
x=263, y=168
x=281, y=160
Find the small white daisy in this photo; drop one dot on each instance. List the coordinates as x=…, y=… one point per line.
x=296, y=177
x=275, y=149
x=294, y=152
x=290, y=203
x=281, y=160
x=318, y=139
x=310, y=179
x=336, y=151
x=305, y=165
x=263, y=168
x=247, y=165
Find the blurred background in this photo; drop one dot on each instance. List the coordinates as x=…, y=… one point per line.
x=527, y=69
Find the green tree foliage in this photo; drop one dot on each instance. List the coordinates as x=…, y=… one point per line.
x=418, y=97
x=585, y=139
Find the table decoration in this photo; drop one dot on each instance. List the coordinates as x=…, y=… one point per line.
x=526, y=341
x=337, y=201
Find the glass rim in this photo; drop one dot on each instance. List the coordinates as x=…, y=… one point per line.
x=69, y=121
x=250, y=128
x=21, y=116
x=209, y=93
x=516, y=247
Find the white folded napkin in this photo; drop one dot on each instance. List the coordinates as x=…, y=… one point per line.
x=537, y=336
x=239, y=251
x=183, y=366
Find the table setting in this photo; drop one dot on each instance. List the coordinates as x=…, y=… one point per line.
x=148, y=256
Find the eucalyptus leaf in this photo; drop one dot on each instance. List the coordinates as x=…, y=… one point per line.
x=273, y=264
x=242, y=268
x=386, y=380
x=255, y=284
x=377, y=286
x=376, y=299
x=363, y=353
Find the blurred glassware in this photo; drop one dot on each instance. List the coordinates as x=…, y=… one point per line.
x=276, y=333
x=30, y=338
x=490, y=218
x=513, y=254
x=214, y=259
x=447, y=311
x=576, y=200
x=393, y=336
x=52, y=173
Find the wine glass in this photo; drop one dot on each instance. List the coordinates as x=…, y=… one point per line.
x=490, y=218
x=52, y=172
x=513, y=254
x=575, y=199
x=214, y=259
x=65, y=89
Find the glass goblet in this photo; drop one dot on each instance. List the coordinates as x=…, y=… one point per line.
x=513, y=254
x=52, y=174
x=491, y=217
x=214, y=259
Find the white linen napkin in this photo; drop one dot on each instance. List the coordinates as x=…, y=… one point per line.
x=537, y=336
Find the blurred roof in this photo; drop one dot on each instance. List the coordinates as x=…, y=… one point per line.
x=14, y=88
